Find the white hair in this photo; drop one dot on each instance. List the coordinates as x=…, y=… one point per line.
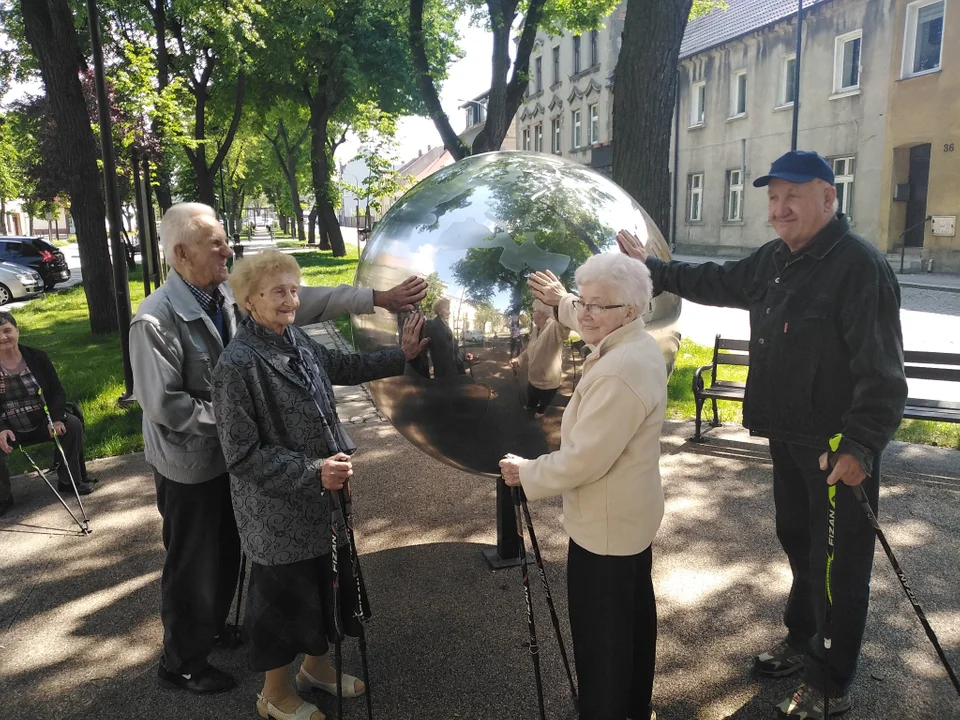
x=628, y=278
x=180, y=224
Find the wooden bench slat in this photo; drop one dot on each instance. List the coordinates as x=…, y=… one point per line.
x=727, y=344
x=933, y=373
x=924, y=357
x=935, y=415
x=732, y=359
x=933, y=404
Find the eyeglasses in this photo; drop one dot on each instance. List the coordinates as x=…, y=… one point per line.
x=591, y=308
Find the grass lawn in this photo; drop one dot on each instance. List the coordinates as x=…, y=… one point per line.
x=90, y=368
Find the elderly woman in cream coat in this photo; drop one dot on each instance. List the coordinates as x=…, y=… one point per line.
x=607, y=470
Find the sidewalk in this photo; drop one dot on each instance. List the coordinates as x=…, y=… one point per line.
x=79, y=616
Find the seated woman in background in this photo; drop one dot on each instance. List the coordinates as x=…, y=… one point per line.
x=607, y=469
x=286, y=450
x=543, y=358
x=23, y=421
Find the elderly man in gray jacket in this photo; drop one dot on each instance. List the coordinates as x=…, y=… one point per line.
x=175, y=341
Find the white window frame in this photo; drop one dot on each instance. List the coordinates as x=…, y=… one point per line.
x=525, y=144
x=593, y=113
x=538, y=137
x=555, y=126
x=733, y=212
x=910, y=39
x=694, y=191
x=698, y=103
x=847, y=180
x=556, y=64
x=839, y=58
x=577, y=54
x=735, y=111
x=538, y=74
x=594, y=48
x=576, y=129
x=785, y=76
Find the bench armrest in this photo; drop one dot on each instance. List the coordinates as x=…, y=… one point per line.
x=698, y=378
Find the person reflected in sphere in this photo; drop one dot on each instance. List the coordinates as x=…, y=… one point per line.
x=444, y=351
x=286, y=451
x=516, y=344
x=607, y=470
x=543, y=358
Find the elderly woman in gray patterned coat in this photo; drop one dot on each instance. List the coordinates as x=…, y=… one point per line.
x=285, y=450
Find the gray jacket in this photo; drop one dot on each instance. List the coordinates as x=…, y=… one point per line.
x=274, y=438
x=174, y=347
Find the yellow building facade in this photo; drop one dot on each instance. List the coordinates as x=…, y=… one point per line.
x=920, y=190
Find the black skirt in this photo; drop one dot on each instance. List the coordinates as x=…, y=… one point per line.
x=290, y=609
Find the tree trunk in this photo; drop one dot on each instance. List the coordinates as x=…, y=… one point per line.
x=50, y=30
x=295, y=194
x=3, y=215
x=645, y=91
x=30, y=223
x=506, y=95
x=312, y=234
x=427, y=87
x=321, y=171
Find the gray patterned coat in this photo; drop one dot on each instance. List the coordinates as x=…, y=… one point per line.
x=273, y=439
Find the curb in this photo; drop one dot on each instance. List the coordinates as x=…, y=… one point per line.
x=925, y=286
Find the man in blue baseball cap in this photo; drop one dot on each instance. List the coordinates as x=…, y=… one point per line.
x=826, y=358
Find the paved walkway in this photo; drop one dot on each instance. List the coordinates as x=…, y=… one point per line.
x=80, y=630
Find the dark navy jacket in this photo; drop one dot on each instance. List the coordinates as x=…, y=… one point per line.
x=826, y=350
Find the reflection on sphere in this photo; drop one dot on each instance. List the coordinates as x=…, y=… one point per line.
x=476, y=230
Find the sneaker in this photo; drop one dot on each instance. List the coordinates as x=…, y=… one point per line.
x=779, y=661
x=807, y=703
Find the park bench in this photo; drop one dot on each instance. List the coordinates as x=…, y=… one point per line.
x=725, y=352
x=919, y=365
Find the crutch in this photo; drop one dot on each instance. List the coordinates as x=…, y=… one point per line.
x=84, y=524
x=337, y=624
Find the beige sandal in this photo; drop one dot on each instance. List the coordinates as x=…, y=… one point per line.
x=306, y=682
x=267, y=710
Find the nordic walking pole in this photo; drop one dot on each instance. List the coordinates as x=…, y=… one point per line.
x=338, y=629
x=546, y=589
x=531, y=626
x=56, y=441
x=84, y=526
x=359, y=613
x=921, y=616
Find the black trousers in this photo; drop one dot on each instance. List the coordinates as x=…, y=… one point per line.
x=800, y=496
x=200, y=570
x=539, y=399
x=72, y=443
x=613, y=620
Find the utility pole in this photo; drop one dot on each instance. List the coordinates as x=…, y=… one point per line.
x=112, y=196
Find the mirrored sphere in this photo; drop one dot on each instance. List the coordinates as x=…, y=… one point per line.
x=476, y=230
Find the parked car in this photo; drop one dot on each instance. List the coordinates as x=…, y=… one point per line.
x=36, y=253
x=18, y=282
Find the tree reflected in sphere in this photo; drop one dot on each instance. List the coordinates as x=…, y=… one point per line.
x=476, y=230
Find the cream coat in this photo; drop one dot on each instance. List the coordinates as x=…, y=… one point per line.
x=543, y=356
x=607, y=467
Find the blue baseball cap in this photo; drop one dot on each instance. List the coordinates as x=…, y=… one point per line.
x=798, y=166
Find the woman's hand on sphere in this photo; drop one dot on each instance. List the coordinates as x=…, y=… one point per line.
x=335, y=471
x=410, y=339
x=547, y=287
